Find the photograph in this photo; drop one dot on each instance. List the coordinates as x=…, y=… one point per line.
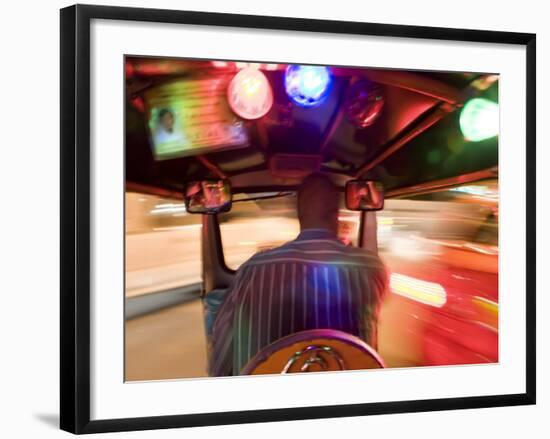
x=299, y=218
x=275, y=218
x=283, y=219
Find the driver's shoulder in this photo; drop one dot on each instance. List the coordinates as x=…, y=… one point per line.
x=367, y=257
x=264, y=256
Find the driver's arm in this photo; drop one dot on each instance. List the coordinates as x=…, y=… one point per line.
x=221, y=360
x=375, y=283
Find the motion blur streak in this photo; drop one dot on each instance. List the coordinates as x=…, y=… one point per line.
x=487, y=312
x=424, y=292
x=441, y=248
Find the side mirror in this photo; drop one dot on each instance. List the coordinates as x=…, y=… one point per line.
x=364, y=195
x=208, y=196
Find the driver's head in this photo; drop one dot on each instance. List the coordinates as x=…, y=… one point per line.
x=318, y=203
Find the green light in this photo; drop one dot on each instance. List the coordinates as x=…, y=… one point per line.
x=479, y=119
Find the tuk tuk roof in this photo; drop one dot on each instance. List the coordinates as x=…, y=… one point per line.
x=416, y=140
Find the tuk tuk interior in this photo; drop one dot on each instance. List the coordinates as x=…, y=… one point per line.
x=414, y=148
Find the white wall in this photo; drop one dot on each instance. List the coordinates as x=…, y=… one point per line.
x=29, y=236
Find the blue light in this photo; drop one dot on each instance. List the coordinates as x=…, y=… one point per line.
x=307, y=85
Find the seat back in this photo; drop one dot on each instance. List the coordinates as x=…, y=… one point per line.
x=314, y=350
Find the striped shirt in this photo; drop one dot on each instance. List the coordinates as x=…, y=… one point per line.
x=312, y=282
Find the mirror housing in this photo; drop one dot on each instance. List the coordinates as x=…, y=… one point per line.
x=365, y=195
x=208, y=196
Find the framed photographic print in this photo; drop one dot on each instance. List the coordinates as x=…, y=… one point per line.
x=275, y=218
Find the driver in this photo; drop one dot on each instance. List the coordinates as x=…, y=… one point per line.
x=312, y=282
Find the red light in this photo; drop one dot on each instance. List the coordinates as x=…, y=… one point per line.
x=364, y=103
x=139, y=104
x=129, y=69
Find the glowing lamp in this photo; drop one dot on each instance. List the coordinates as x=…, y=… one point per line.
x=307, y=85
x=479, y=119
x=364, y=103
x=249, y=94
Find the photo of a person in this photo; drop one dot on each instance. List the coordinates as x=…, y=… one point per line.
x=166, y=128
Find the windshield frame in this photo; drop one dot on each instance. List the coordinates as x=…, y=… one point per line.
x=288, y=191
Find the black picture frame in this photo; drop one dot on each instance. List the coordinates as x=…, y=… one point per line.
x=75, y=217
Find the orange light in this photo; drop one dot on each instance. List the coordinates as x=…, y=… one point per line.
x=249, y=94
